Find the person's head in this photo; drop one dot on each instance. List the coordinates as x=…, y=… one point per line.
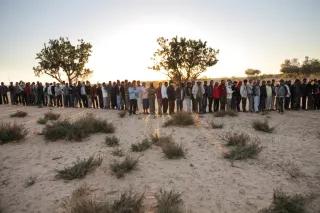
x=189, y=84
x=273, y=81
x=223, y=82
x=281, y=81
x=250, y=81
x=11, y=83
x=304, y=80
x=216, y=84
x=245, y=81
x=205, y=83
x=166, y=83
x=160, y=84
x=211, y=82
x=268, y=82
x=138, y=83
x=144, y=84
x=263, y=82
x=151, y=84
x=198, y=83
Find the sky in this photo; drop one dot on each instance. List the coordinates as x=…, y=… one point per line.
x=257, y=34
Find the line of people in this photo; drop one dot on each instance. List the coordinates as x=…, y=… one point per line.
x=193, y=96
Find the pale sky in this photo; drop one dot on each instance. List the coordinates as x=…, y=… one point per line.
x=256, y=34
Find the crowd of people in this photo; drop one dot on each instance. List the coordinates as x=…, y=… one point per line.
x=192, y=96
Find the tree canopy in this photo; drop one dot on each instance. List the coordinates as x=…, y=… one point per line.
x=307, y=67
x=252, y=72
x=183, y=59
x=62, y=60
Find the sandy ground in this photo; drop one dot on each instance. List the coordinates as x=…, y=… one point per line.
x=207, y=181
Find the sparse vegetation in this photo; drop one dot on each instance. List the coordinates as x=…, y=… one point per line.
x=122, y=113
x=51, y=116
x=180, y=119
x=160, y=140
x=230, y=113
x=291, y=168
x=262, y=126
x=77, y=130
x=117, y=152
x=19, y=114
x=120, y=168
x=80, y=168
x=236, y=139
x=142, y=146
x=112, y=141
x=240, y=152
x=284, y=203
x=11, y=132
x=216, y=125
x=30, y=181
x=169, y=202
x=128, y=202
x=42, y=121
x=173, y=150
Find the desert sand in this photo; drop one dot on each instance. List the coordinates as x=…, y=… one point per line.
x=207, y=181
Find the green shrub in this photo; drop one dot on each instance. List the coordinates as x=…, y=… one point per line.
x=262, y=126
x=19, y=114
x=112, y=141
x=284, y=203
x=142, y=146
x=240, y=152
x=58, y=130
x=173, y=150
x=51, y=116
x=79, y=169
x=216, y=126
x=42, y=121
x=180, y=119
x=11, y=132
x=123, y=167
x=236, y=139
x=169, y=202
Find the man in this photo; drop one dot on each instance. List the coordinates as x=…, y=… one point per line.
x=159, y=98
x=244, y=95
x=256, y=95
x=40, y=94
x=100, y=97
x=288, y=95
x=263, y=95
x=223, y=95
x=83, y=95
x=4, y=93
x=187, y=96
x=12, y=94
x=303, y=89
x=171, y=97
x=205, y=96
x=281, y=94
x=104, y=90
x=268, y=96
x=66, y=95
x=250, y=95
x=216, y=96
x=197, y=92
x=58, y=93
x=164, y=96
x=180, y=96
x=309, y=93
x=210, y=98
x=273, y=87
x=229, y=94
x=133, y=96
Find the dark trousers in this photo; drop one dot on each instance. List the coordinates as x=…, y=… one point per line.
x=210, y=104
x=67, y=101
x=165, y=105
x=304, y=102
x=40, y=100
x=310, y=102
x=59, y=100
x=280, y=104
x=100, y=101
x=204, y=104
x=216, y=104
x=94, y=100
x=171, y=106
x=287, y=102
x=5, y=98
x=84, y=99
x=262, y=103
x=223, y=101
x=194, y=104
x=133, y=106
x=244, y=104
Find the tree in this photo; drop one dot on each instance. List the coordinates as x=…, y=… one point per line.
x=183, y=59
x=252, y=72
x=307, y=67
x=60, y=59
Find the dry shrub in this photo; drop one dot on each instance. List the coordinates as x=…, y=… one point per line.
x=262, y=126
x=112, y=141
x=42, y=121
x=241, y=152
x=160, y=140
x=120, y=168
x=80, y=168
x=122, y=113
x=236, y=139
x=142, y=146
x=19, y=114
x=216, y=125
x=173, y=150
x=30, y=181
x=180, y=119
x=51, y=116
x=117, y=152
x=230, y=113
x=128, y=202
x=57, y=130
x=284, y=203
x=11, y=132
x=169, y=202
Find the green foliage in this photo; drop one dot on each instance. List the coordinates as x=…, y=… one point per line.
x=241, y=152
x=19, y=114
x=142, y=146
x=169, y=202
x=112, y=141
x=51, y=116
x=216, y=125
x=183, y=59
x=262, y=126
x=180, y=119
x=11, y=132
x=294, y=67
x=60, y=58
x=252, y=72
x=79, y=169
x=120, y=168
x=284, y=203
x=58, y=130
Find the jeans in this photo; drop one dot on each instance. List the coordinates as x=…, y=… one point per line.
x=256, y=103
x=133, y=106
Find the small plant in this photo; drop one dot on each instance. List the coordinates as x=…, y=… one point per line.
x=230, y=113
x=79, y=169
x=51, y=116
x=42, y=121
x=140, y=147
x=236, y=139
x=117, y=152
x=128, y=202
x=160, y=140
x=11, y=132
x=112, y=141
x=169, y=202
x=58, y=130
x=216, y=126
x=180, y=119
x=30, y=181
x=284, y=203
x=240, y=152
x=173, y=150
x=122, y=113
x=19, y=114
x=123, y=167
x=262, y=126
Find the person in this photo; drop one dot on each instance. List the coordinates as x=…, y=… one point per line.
x=187, y=96
x=205, y=96
x=171, y=97
x=104, y=90
x=216, y=97
x=179, y=96
x=66, y=95
x=145, y=98
x=194, y=102
x=223, y=95
x=58, y=94
x=94, y=97
x=122, y=96
x=152, y=98
x=159, y=98
x=126, y=94
x=139, y=100
x=309, y=93
x=287, y=99
x=250, y=95
x=244, y=95
x=303, y=88
x=197, y=92
x=256, y=95
x=109, y=98
x=4, y=93
x=236, y=97
x=164, y=96
x=268, y=90
x=100, y=97
x=83, y=94
x=273, y=87
x=118, y=95
x=133, y=96
x=12, y=93
x=281, y=94
x=229, y=94
x=210, y=98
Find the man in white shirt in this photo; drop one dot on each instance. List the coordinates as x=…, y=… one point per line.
x=164, y=96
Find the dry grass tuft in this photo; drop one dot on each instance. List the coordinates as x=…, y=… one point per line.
x=173, y=150
x=120, y=168
x=180, y=119
x=236, y=139
x=117, y=152
x=42, y=121
x=169, y=202
x=241, y=152
x=122, y=113
x=112, y=141
x=51, y=116
x=19, y=114
x=79, y=169
x=216, y=125
x=262, y=126
x=142, y=146
x=11, y=132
